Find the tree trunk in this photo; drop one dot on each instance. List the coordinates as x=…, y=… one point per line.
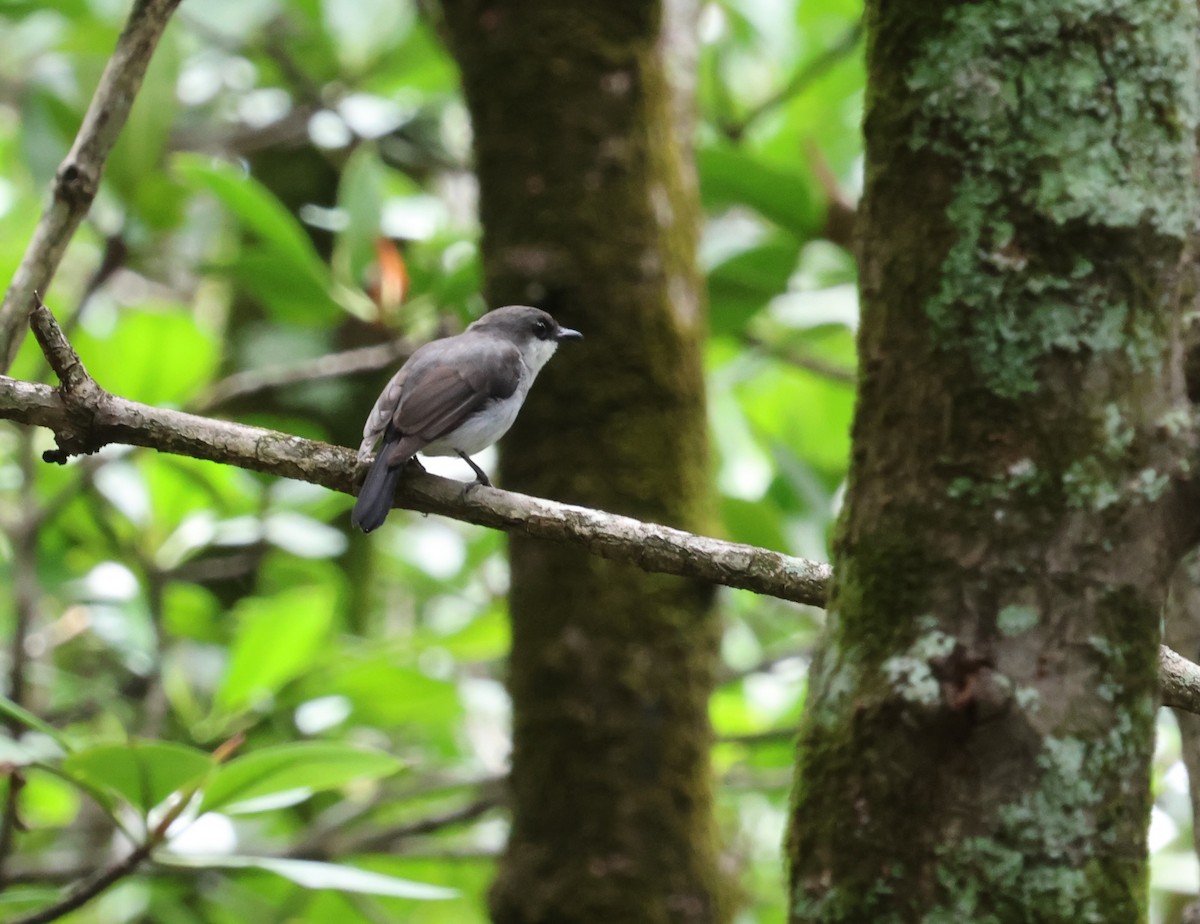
x=979, y=728
x=590, y=211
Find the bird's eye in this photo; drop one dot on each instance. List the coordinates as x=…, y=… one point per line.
x=541, y=328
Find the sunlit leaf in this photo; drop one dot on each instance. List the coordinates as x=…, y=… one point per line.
x=255, y=207
x=277, y=639
x=730, y=176
x=143, y=773
x=153, y=356
x=313, y=875
x=23, y=716
x=744, y=283
x=310, y=766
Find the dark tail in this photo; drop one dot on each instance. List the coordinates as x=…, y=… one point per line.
x=375, y=496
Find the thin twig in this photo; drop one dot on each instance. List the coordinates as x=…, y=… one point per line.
x=23, y=537
x=78, y=176
x=87, y=889
x=335, y=365
x=800, y=81
x=801, y=360
x=386, y=841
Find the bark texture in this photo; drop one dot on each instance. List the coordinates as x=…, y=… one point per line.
x=589, y=210
x=979, y=727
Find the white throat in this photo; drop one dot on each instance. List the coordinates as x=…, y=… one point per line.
x=536, y=353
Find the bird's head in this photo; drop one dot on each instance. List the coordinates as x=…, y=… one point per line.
x=533, y=331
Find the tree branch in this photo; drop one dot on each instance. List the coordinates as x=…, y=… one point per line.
x=84, y=417
x=1178, y=681
x=78, y=176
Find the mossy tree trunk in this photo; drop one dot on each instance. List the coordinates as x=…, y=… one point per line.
x=980, y=724
x=589, y=210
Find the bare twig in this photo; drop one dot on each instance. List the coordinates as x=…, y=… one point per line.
x=78, y=176
x=841, y=213
x=23, y=537
x=387, y=840
x=335, y=365
x=801, y=360
x=87, y=889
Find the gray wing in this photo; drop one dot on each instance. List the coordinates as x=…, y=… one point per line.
x=436, y=390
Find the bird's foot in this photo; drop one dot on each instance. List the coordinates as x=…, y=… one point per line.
x=481, y=477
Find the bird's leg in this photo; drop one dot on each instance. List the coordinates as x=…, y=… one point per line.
x=480, y=475
x=415, y=463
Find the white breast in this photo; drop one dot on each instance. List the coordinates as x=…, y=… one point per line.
x=482, y=429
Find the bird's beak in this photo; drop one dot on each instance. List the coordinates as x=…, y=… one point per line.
x=565, y=333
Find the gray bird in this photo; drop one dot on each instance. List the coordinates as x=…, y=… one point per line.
x=454, y=396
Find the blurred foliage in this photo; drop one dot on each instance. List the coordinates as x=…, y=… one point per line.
x=295, y=181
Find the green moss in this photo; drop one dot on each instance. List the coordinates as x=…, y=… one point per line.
x=879, y=589
x=1070, y=123
x=1048, y=858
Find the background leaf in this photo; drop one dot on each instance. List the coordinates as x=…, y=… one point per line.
x=309, y=766
x=143, y=773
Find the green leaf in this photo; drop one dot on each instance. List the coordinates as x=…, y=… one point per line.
x=142, y=772
x=278, y=638
x=755, y=523
x=745, y=282
x=729, y=176
x=20, y=714
x=255, y=207
x=313, y=875
x=293, y=293
x=156, y=357
x=360, y=196
x=308, y=766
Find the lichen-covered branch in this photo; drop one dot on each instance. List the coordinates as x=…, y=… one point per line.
x=78, y=176
x=84, y=417
x=648, y=545
x=1179, y=681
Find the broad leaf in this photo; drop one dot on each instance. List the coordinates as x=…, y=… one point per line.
x=729, y=176
x=309, y=766
x=313, y=875
x=143, y=773
x=278, y=638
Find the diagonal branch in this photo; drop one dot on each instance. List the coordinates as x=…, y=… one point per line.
x=349, y=362
x=85, y=418
x=78, y=176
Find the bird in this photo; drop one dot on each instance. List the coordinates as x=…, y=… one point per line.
x=454, y=396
